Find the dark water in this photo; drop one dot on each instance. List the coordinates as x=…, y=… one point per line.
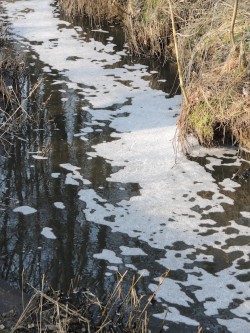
x=40, y=184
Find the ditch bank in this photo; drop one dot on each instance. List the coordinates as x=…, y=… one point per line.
x=213, y=51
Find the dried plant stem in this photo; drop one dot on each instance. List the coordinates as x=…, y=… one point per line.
x=177, y=54
x=233, y=23
x=62, y=307
x=114, y=293
x=8, y=124
x=22, y=288
x=162, y=279
x=24, y=314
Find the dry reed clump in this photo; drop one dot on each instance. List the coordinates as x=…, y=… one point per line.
x=217, y=75
x=147, y=27
x=11, y=76
x=214, y=57
x=123, y=311
x=98, y=10
x=13, y=114
x=146, y=23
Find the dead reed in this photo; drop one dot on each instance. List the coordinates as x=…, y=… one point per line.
x=217, y=75
x=146, y=23
x=97, y=11
x=14, y=96
x=148, y=27
x=211, y=44
x=123, y=311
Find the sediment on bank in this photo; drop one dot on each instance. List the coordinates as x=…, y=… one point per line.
x=214, y=57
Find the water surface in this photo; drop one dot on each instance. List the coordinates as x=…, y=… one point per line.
x=108, y=188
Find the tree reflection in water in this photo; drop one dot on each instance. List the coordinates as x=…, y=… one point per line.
x=28, y=181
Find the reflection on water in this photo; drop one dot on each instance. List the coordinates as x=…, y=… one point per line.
x=75, y=195
x=41, y=184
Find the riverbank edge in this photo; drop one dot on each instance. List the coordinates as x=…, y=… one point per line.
x=212, y=48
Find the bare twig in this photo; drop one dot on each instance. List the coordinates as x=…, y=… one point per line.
x=177, y=54
x=233, y=24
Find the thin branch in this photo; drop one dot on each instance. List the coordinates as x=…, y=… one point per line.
x=177, y=54
x=233, y=23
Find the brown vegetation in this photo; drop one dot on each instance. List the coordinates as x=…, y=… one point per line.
x=212, y=40
x=14, y=94
x=81, y=311
x=97, y=11
x=217, y=75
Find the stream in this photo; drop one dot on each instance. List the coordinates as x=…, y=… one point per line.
x=99, y=186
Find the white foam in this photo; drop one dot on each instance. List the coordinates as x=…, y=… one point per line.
x=229, y=185
x=132, y=251
x=170, y=291
x=172, y=314
x=48, y=233
x=55, y=174
x=87, y=130
x=235, y=325
x=25, y=210
x=70, y=180
x=39, y=157
x=69, y=167
x=109, y=256
x=131, y=266
x=245, y=214
x=59, y=205
x=144, y=272
x=112, y=268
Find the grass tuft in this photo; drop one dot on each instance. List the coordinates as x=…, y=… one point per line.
x=216, y=74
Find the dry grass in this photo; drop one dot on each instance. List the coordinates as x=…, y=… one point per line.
x=215, y=62
x=215, y=75
x=11, y=75
x=146, y=23
x=123, y=311
x=98, y=10
x=14, y=96
x=147, y=27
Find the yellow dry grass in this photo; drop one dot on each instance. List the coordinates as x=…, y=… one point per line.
x=217, y=76
x=215, y=62
x=97, y=11
x=123, y=311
